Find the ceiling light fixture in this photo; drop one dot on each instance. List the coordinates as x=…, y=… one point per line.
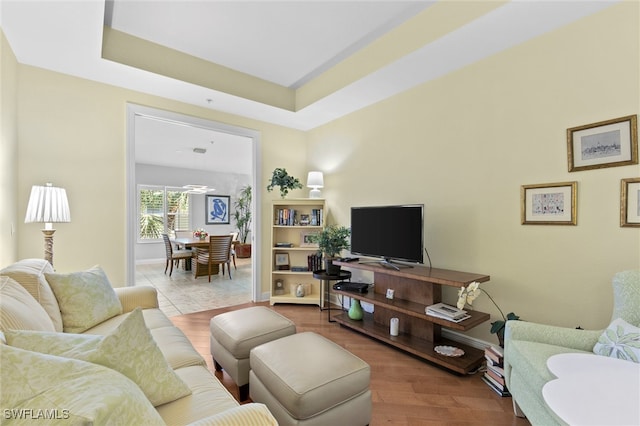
x=199, y=150
x=197, y=189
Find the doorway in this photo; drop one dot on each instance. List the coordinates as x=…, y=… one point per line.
x=135, y=116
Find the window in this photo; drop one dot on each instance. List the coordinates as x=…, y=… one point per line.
x=161, y=210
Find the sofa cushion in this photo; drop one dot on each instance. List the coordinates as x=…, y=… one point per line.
x=74, y=391
x=531, y=359
x=209, y=397
x=29, y=273
x=86, y=298
x=619, y=340
x=19, y=310
x=130, y=350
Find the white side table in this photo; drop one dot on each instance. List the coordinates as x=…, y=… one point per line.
x=593, y=390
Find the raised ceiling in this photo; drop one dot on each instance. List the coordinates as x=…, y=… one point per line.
x=315, y=61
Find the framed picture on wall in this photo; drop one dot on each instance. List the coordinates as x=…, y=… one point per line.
x=549, y=204
x=217, y=209
x=630, y=202
x=608, y=143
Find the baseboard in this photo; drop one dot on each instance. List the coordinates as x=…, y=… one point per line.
x=465, y=340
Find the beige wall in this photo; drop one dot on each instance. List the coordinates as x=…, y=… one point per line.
x=73, y=133
x=464, y=144
x=8, y=153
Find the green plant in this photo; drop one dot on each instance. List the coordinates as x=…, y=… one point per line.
x=242, y=215
x=282, y=179
x=466, y=295
x=332, y=240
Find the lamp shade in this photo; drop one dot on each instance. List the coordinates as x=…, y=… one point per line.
x=48, y=204
x=315, y=180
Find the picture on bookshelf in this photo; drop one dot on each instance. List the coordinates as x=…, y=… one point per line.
x=305, y=239
x=304, y=220
x=282, y=261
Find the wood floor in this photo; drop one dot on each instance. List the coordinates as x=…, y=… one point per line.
x=405, y=390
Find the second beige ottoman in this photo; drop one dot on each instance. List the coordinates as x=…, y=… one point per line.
x=306, y=379
x=234, y=334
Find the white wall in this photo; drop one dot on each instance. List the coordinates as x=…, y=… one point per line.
x=224, y=184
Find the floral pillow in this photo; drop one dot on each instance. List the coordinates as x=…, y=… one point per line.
x=620, y=340
x=85, y=298
x=129, y=349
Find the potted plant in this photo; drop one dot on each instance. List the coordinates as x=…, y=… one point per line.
x=242, y=216
x=466, y=295
x=282, y=179
x=331, y=241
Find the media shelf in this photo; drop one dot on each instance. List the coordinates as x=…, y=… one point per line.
x=414, y=289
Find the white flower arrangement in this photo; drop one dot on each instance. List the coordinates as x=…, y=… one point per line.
x=466, y=296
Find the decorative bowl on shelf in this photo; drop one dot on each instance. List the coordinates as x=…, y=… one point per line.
x=451, y=351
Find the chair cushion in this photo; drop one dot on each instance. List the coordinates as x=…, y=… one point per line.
x=19, y=310
x=86, y=298
x=29, y=273
x=77, y=392
x=130, y=350
x=626, y=297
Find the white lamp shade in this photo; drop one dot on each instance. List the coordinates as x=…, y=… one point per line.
x=48, y=204
x=315, y=180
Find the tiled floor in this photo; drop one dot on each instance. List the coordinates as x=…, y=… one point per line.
x=182, y=293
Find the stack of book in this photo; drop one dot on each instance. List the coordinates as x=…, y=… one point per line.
x=444, y=311
x=494, y=376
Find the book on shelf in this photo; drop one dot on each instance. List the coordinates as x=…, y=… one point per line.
x=444, y=311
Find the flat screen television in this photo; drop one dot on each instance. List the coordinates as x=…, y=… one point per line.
x=388, y=232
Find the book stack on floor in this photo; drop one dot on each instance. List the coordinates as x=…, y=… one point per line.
x=494, y=376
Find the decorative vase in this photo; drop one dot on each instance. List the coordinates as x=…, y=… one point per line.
x=355, y=311
x=300, y=290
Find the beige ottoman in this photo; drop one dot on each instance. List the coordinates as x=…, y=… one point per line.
x=234, y=334
x=306, y=379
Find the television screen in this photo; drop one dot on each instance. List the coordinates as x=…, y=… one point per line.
x=389, y=232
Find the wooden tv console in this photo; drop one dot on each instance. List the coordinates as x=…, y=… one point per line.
x=414, y=289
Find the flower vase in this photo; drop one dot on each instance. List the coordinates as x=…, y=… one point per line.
x=355, y=311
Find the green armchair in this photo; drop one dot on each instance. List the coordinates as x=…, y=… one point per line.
x=529, y=345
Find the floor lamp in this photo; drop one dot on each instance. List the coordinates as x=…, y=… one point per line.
x=48, y=204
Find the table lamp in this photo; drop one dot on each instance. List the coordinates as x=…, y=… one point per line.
x=48, y=204
x=315, y=181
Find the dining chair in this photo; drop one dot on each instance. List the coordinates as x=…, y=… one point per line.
x=234, y=240
x=174, y=256
x=183, y=234
x=218, y=253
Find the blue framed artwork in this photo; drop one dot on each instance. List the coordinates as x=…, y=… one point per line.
x=217, y=209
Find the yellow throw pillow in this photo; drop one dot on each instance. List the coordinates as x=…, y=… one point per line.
x=85, y=298
x=19, y=310
x=129, y=349
x=46, y=389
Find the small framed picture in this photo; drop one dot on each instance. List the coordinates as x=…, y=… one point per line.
x=282, y=261
x=304, y=220
x=608, y=143
x=305, y=239
x=630, y=202
x=549, y=204
x=217, y=209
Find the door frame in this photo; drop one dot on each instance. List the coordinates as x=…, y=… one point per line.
x=134, y=110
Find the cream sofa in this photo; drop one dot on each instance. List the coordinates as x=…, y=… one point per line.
x=60, y=389
x=528, y=346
